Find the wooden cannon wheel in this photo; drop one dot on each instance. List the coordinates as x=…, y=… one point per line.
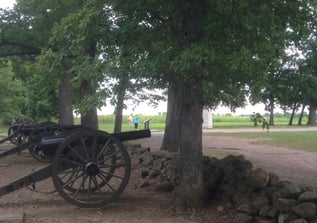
x=91, y=168
x=42, y=130
x=15, y=133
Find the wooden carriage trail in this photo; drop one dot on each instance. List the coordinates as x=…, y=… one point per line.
x=89, y=168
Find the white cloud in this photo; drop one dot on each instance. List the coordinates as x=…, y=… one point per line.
x=7, y=3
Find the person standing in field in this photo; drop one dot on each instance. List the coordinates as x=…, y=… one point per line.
x=130, y=119
x=136, y=121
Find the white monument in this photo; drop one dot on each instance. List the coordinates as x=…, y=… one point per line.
x=207, y=118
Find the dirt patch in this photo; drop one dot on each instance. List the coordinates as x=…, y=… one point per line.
x=135, y=205
x=138, y=205
x=288, y=164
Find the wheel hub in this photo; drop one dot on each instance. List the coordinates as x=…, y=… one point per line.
x=92, y=169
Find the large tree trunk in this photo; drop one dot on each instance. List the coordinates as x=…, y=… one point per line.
x=271, y=110
x=292, y=114
x=187, y=23
x=312, y=115
x=171, y=139
x=301, y=115
x=90, y=118
x=190, y=190
x=118, y=111
x=66, y=102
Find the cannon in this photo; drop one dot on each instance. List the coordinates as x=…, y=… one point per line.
x=21, y=133
x=18, y=132
x=89, y=168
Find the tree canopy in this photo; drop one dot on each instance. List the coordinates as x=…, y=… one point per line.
x=204, y=52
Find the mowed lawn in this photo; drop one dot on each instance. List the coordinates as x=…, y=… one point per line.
x=303, y=140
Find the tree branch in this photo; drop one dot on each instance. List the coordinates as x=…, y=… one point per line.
x=24, y=49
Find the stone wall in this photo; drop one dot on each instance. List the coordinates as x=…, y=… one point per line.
x=255, y=195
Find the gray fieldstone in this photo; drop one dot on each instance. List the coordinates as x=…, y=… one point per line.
x=157, y=165
x=291, y=191
x=259, y=202
x=285, y=205
x=282, y=218
x=165, y=187
x=260, y=220
x=246, y=208
x=301, y=220
x=244, y=218
x=147, y=159
x=260, y=178
x=305, y=210
x=264, y=211
x=308, y=196
x=256, y=195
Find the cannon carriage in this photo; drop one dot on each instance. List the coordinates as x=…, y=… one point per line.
x=89, y=168
x=18, y=132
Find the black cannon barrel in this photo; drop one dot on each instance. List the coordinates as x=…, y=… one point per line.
x=121, y=136
x=132, y=135
x=47, y=171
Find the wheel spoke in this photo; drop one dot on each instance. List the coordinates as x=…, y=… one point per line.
x=90, y=168
x=73, y=162
x=73, y=175
x=82, y=185
x=94, y=179
x=106, y=182
x=97, y=185
x=84, y=146
x=94, y=147
x=76, y=153
x=71, y=182
x=103, y=149
x=89, y=188
x=109, y=156
x=69, y=172
x=106, y=174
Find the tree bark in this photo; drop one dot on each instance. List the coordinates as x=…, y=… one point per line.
x=292, y=114
x=190, y=190
x=90, y=118
x=301, y=115
x=312, y=115
x=271, y=108
x=118, y=111
x=171, y=139
x=65, y=104
x=187, y=22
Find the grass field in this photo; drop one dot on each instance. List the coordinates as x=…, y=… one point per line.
x=106, y=122
x=229, y=121
x=304, y=140
x=299, y=140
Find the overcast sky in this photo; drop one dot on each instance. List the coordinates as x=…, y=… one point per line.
x=6, y=3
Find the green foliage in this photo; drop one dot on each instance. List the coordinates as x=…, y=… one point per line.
x=258, y=118
x=12, y=95
x=42, y=95
x=74, y=49
x=235, y=47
